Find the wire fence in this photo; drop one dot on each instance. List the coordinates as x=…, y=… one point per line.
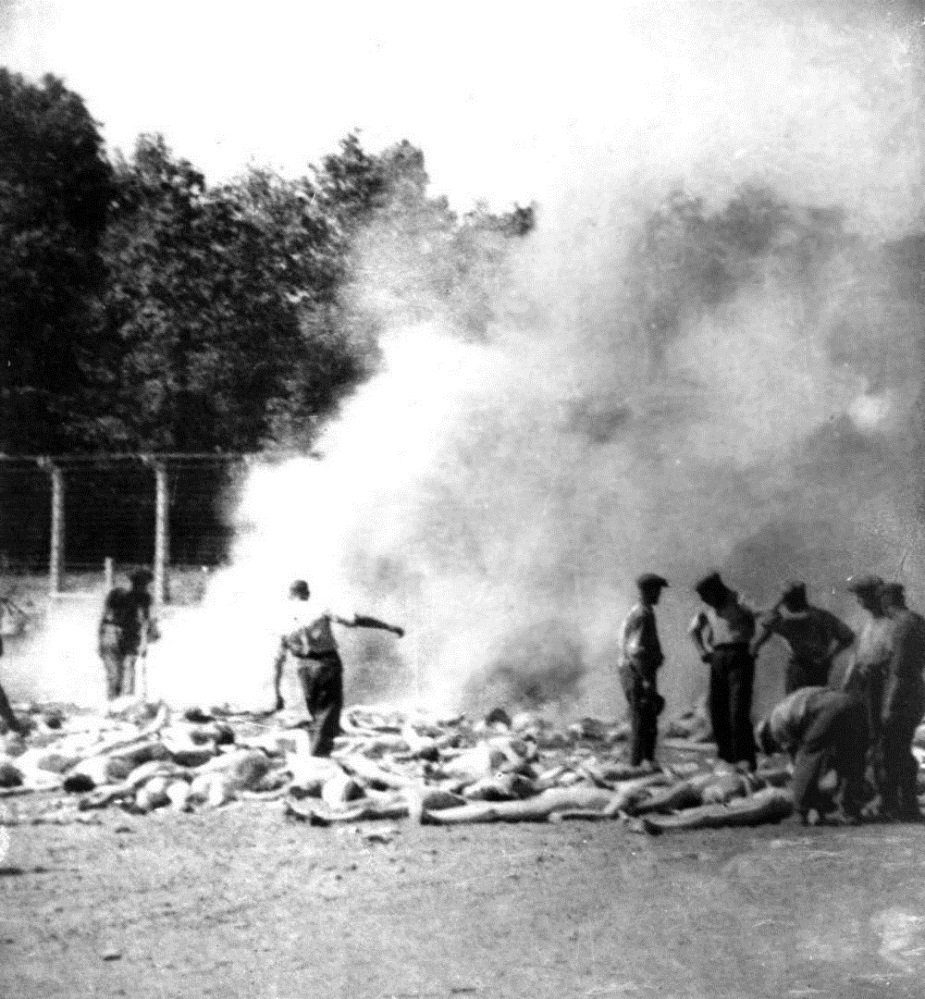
x=108, y=510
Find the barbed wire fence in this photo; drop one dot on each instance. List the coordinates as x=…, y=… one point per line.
x=82, y=518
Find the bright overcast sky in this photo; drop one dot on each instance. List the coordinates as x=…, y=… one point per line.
x=509, y=100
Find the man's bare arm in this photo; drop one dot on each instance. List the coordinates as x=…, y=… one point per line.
x=696, y=630
x=364, y=621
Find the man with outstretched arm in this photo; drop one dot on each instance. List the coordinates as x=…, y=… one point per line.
x=814, y=636
x=310, y=641
x=640, y=658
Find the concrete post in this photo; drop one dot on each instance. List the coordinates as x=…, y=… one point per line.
x=161, y=533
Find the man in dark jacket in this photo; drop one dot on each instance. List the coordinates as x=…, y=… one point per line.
x=821, y=729
x=722, y=635
x=903, y=706
x=640, y=658
x=814, y=636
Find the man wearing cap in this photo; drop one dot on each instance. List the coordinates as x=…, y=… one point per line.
x=815, y=637
x=865, y=676
x=310, y=640
x=903, y=706
x=125, y=628
x=821, y=729
x=640, y=658
x=722, y=634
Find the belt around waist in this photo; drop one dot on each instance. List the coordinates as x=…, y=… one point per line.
x=731, y=647
x=318, y=656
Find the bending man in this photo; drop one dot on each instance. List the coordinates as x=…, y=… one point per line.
x=310, y=641
x=820, y=728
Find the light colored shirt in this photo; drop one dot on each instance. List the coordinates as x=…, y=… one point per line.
x=731, y=624
x=790, y=719
x=640, y=648
x=308, y=629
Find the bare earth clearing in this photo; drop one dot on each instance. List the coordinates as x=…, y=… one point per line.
x=240, y=902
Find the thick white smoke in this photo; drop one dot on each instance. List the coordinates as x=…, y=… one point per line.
x=497, y=497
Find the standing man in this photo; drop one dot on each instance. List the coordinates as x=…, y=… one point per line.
x=640, y=658
x=815, y=637
x=722, y=634
x=6, y=711
x=903, y=706
x=820, y=728
x=125, y=629
x=310, y=641
x=865, y=676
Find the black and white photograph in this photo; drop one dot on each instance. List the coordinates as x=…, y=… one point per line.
x=462, y=499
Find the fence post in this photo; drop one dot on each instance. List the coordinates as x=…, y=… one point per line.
x=57, y=540
x=161, y=533
x=108, y=573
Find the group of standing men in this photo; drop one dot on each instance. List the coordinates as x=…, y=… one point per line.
x=866, y=726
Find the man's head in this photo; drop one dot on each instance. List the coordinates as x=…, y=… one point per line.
x=866, y=587
x=141, y=578
x=793, y=596
x=299, y=590
x=893, y=596
x=712, y=590
x=650, y=586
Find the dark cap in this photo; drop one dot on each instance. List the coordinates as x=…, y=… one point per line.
x=711, y=588
x=893, y=593
x=299, y=588
x=650, y=580
x=142, y=576
x=864, y=583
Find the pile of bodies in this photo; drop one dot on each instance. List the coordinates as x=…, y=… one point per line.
x=386, y=765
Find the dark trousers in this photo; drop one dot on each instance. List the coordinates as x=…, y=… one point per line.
x=6, y=712
x=322, y=683
x=732, y=677
x=645, y=704
x=119, y=654
x=899, y=774
x=837, y=737
x=803, y=673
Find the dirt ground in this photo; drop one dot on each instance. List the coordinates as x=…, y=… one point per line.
x=242, y=902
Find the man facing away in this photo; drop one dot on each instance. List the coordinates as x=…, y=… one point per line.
x=815, y=637
x=125, y=629
x=820, y=729
x=902, y=707
x=640, y=658
x=722, y=634
x=310, y=641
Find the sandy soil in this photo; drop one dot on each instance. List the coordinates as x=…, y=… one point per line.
x=242, y=902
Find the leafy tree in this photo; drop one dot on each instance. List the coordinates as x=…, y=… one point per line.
x=55, y=188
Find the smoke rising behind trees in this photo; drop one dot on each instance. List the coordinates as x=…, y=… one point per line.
x=707, y=353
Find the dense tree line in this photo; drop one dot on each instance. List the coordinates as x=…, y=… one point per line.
x=142, y=309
